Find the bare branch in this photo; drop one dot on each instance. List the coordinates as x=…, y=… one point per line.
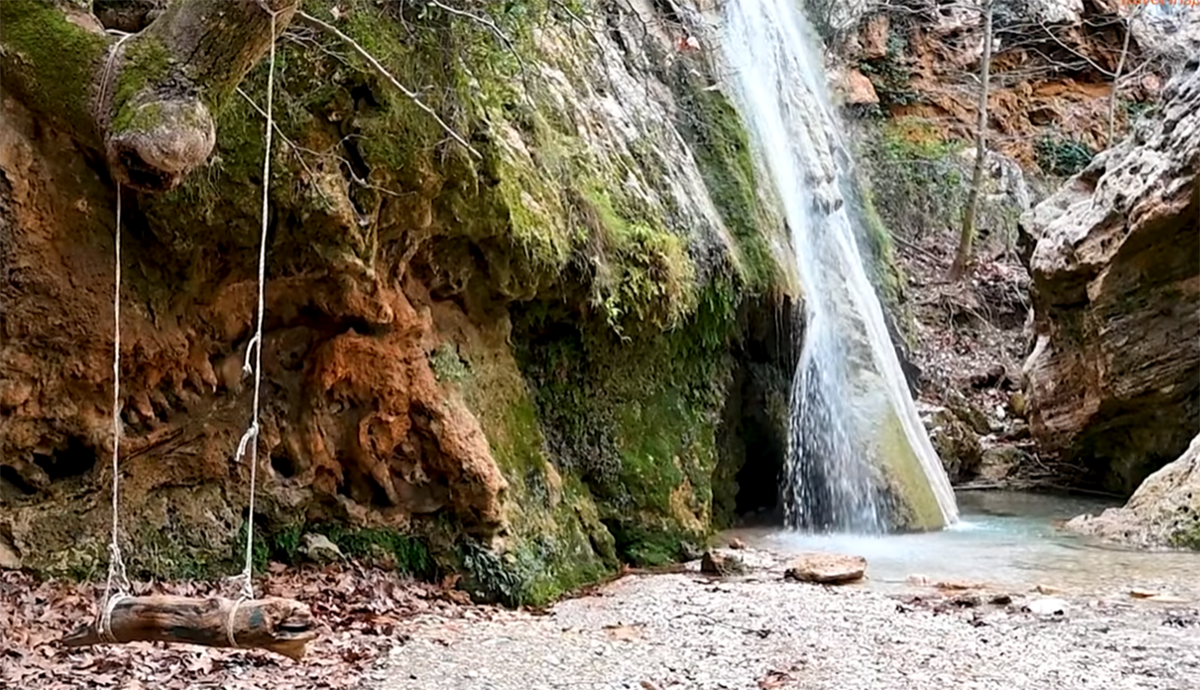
x=382, y=71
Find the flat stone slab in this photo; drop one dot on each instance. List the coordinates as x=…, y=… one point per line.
x=826, y=568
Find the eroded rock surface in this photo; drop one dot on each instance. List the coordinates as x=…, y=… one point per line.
x=431, y=312
x=1112, y=381
x=1164, y=511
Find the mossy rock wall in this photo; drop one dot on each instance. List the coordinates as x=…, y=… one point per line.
x=509, y=361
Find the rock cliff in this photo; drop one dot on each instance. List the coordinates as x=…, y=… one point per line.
x=513, y=364
x=1113, y=381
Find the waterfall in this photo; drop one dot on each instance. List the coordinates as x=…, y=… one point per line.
x=859, y=458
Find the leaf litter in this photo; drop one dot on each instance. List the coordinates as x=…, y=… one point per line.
x=360, y=613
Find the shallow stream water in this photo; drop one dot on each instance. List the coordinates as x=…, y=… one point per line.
x=1004, y=540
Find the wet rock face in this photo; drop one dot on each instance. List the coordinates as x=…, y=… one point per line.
x=1112, y=381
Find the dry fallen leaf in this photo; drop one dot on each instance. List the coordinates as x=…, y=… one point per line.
x=362, y=611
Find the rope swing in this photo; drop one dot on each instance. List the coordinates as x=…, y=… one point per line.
x=283, y=626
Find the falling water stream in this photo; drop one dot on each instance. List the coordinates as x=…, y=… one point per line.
x=859, y=458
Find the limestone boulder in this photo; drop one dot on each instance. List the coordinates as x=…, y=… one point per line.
x=1113, y=381
x=955, y=442
x=1164, y=511
x=826, y=568
x=999, y=462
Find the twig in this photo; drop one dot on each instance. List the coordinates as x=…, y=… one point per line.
x=362, y=52
x=491, y=25
x=295, y=149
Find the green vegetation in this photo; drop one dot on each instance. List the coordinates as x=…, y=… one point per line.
x=711, y=126
x=51, y=59
x=889, y=74
x=1060, y=156
x=146, y=61
x=636, y=419
x=916, y=183
x=1188, y=537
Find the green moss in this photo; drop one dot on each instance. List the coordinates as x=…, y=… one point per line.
x=146, y=62
x=914, y=184
x=447, y=366
x=712, y=127
x=408, y=553
x=914, y=505
x=53, y=60
x=558, y=542
x=635, y=418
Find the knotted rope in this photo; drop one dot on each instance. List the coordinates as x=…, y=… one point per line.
x=116, y=585
x=249, y=440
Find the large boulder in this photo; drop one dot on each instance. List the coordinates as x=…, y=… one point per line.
x=1115, y=260
x=1165, y=510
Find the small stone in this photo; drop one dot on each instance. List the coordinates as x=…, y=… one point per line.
x=1016, y=403
x=827, y=568
x=1000, y=599
x=9, y=559
x=736, y=543
x=1047, y=607
x=966, y=600
x=713, y=563
x=319, y=549
x=689, y=552
x=956, y=585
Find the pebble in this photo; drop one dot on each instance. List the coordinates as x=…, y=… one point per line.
x=767, y=634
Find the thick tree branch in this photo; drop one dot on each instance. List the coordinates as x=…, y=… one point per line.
x=150, y=101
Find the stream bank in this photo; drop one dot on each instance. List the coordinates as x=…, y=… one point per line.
x=688, y=631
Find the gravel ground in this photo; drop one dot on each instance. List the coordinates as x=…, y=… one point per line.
x=687, y=631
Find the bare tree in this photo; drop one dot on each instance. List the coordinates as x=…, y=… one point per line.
x=1116, y=85
x=966, y=240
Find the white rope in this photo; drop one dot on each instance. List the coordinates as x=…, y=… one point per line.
x=229, y=622
x=116, y=586
x=249, y=439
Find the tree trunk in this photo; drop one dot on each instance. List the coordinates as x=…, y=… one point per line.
x=1112, y=99
x=152, y=110
x=282, y=626
x=966, y=240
